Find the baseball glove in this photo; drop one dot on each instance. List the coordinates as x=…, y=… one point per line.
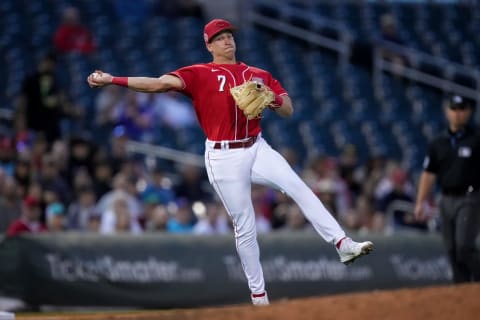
x=252, y=98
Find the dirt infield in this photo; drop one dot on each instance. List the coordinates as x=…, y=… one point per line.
x=448, y=302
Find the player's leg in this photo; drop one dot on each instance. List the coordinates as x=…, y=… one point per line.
x=270, y=168
x=229, y=173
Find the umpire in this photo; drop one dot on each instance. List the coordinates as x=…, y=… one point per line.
x=454, y=159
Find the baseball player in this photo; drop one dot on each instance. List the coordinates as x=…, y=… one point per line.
x=235, y=152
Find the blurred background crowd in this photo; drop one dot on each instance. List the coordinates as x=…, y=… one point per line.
x=64, y=161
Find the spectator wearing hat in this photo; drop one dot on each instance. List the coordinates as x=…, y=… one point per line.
x=29, y=221
x=56, y=217
x=71, y=35
x=182, y=220
x=159, y=186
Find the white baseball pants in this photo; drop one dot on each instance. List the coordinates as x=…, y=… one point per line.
x=231, y=172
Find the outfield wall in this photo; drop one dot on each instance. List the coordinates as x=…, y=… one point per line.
x=165, y=271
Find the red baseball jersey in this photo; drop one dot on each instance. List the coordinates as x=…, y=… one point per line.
x=208, y=85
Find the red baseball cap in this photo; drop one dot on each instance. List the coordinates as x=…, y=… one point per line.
x=30, y=202
x=216, y=26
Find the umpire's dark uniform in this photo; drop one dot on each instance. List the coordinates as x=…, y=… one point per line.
x=454, y=158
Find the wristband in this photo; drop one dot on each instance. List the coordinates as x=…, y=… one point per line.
x=120, y=81
x=277, y=103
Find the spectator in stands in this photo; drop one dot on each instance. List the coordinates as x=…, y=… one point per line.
x=160, y=185
x=193, y=184
x=362, y=217
x=10, y=204
x=214, y=220
x=81, y=180
x=81, y=157
x=386, y=183
x=295, y=220
x=56, y=217
x=396, y=207
x=29, y=221
x=327, y=191
x=82, y=209
x=102, y=178
x=348, y=166
x=43, y=103
x=118, y=148
x=7, y=153
x=389, y=34
x=94, y=221
x=133, y=169
x=158, y=219
x=389, y=29
x=50, y=179
x=105, y=103
x=150, y=200
x=182, y=219
x=262, y=207
x=280, y=206
x=49, y=196
x=35, y=191
x=22, y=174
x=372, y=173
x=120, y=188
x=173, y=111
x=60, y=152
x=133, y=115
x=71, y=35
x=118, y=216
x=323, y=173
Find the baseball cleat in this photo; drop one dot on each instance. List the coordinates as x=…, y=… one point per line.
x=260, y=299
x=350, y=250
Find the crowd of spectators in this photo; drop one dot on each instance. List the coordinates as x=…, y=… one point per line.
x=54, y=180
x=76, y=185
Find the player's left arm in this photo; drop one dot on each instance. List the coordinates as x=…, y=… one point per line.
x=286, y=108
x=282, y=103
